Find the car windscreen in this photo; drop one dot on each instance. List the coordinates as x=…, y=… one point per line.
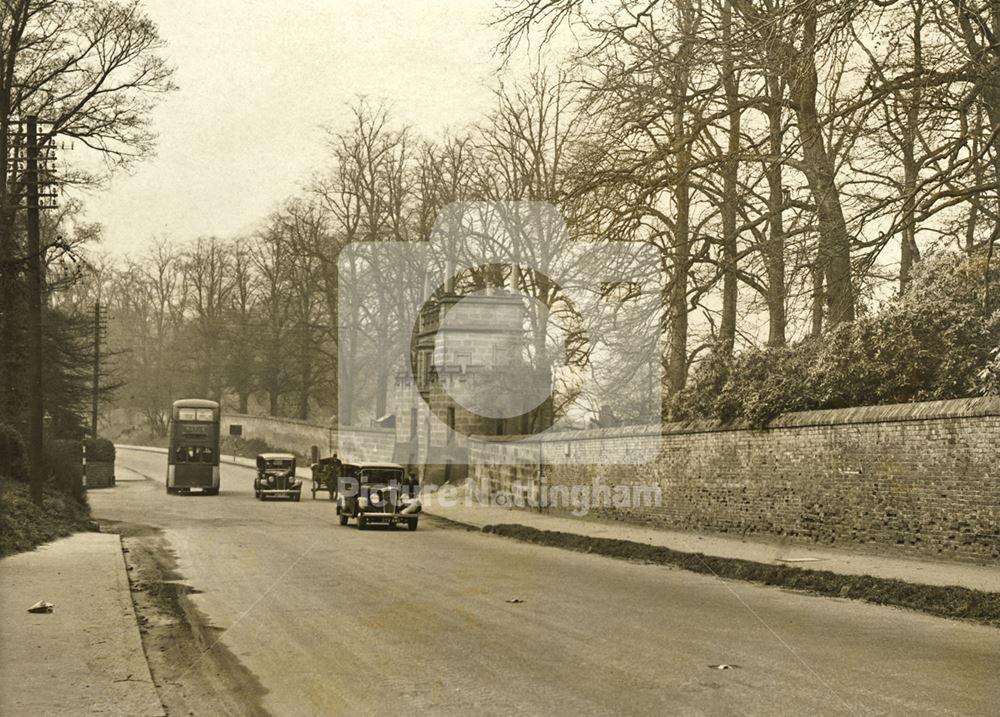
x=382, y=476
x=278, y=465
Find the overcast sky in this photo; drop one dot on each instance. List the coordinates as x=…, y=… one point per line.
x=257, y=80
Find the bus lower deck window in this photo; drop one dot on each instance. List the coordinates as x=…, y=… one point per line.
x=194, y=454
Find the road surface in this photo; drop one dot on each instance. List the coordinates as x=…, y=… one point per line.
x=315, y=618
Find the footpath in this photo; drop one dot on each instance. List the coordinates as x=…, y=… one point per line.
x=465, y=510
x=84, y=657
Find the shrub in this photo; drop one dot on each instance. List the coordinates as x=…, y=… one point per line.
x=989, y=377
x=23, y=525
x=931, y=343
x=65, y=466
x=100, y=449
x=13, y=454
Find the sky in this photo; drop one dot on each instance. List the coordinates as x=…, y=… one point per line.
x=257, y=81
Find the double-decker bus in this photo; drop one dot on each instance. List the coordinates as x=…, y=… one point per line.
x=193, y=457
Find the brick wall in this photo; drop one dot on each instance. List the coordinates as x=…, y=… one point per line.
x=923, y=478
x=300, y=436
x=100, y=474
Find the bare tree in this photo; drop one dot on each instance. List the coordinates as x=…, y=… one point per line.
x=90, y=70
x=207, y=268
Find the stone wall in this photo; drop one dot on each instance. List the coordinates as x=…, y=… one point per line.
x=924, y=478
x=299, y=437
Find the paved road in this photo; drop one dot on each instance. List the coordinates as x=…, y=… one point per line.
x=332, y=620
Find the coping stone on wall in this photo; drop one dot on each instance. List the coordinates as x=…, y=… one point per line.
x=890, y=413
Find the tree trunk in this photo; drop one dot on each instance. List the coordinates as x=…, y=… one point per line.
x=305, y=372
x=978, y=174
x=908, y=251
x=730, y=168
x=818, y=165
x=681, y=248
x=979, y=33
x=817, y=301
x=774, y=250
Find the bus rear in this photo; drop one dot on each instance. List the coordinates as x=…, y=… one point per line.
x=193, y=452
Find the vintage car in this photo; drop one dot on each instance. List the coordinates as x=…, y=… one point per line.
x=276, y=477
x=377, y=493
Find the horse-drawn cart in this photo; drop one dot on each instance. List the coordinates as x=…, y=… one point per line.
x=324, y=476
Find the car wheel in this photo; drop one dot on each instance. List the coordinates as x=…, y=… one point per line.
x=343, y=518
x=411, y=524
x=362, y=522
x=297, y=496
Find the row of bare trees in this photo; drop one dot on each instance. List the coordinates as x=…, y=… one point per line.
x=786, y=158
x=788, y=163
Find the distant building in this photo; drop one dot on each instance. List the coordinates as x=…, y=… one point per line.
x=468, y=377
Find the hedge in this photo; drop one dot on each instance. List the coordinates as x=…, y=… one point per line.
x=100, y=449
x=65, y=465
x=13, y=454
x=938, y=340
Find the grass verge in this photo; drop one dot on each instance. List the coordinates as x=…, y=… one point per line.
x=951, y=601
x=24, y=525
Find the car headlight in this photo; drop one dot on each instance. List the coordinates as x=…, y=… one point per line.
x=362, y=502
x=270, y=480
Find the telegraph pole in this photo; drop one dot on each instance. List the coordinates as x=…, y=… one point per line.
x=35, y=407
x=98, y=330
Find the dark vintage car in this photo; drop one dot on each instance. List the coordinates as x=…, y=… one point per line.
x=276, y=477
x=377, y=493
